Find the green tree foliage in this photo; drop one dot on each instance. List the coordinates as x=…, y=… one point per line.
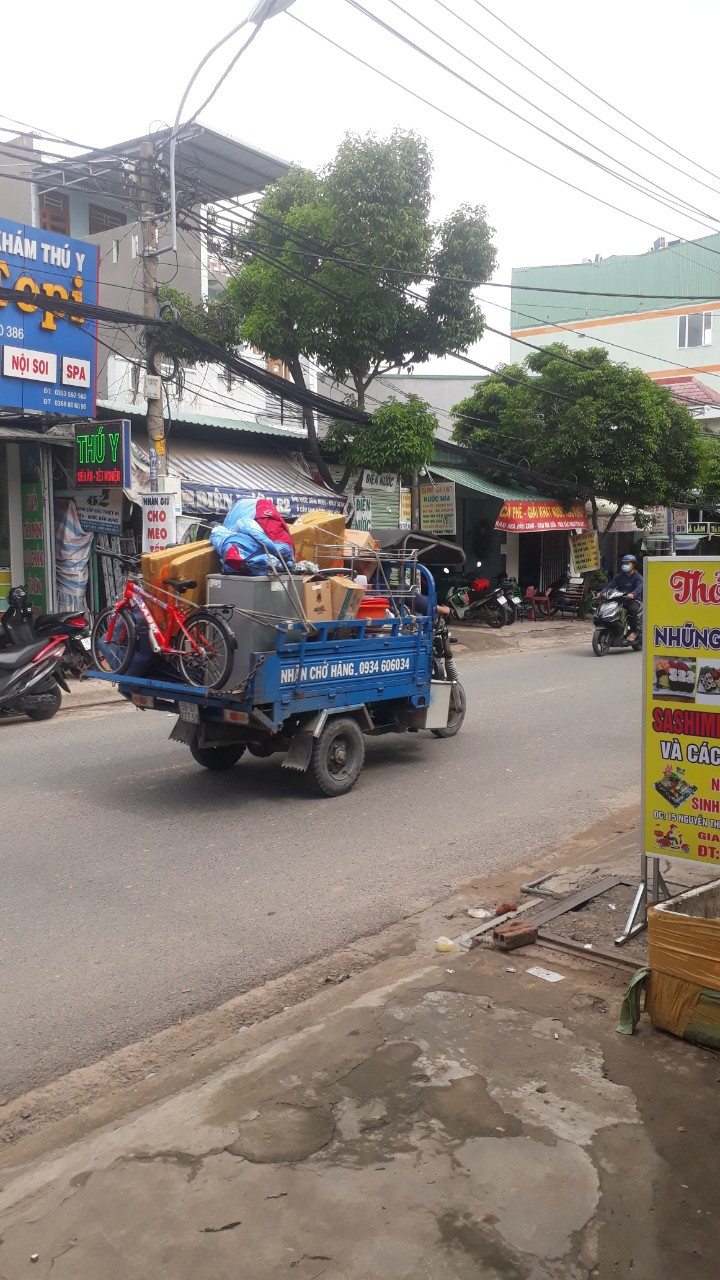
x=357, y=318
x=213, y=318
x=401, y=438
x=709, y=481
x=604, y=427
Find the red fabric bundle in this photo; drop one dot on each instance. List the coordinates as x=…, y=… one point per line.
x=272, y=523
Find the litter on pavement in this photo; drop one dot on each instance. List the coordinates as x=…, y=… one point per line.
x=547, y=975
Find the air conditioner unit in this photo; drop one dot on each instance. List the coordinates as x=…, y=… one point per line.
x=659, y=243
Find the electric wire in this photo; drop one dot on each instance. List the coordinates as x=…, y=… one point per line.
x=678, y=204
x=478, y=133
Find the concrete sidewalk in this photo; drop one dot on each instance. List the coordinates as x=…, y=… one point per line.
x=523, y=637
x=443, y=1116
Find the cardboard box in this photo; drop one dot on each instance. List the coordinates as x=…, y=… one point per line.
x=360, y=540
x=317, y=600
x=315, y=534
x=346, y=597
x=683, y=994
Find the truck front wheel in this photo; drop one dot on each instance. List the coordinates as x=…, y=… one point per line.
x=337, y=757
x=217, y=758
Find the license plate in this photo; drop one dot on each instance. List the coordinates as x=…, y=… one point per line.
x=502, y=599
x=85, y=642
x=189, y=711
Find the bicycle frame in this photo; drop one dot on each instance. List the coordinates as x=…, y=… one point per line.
x=136, y=595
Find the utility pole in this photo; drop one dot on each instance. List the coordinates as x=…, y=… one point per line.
x=148, y=210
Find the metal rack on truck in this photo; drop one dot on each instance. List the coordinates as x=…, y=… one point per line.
x=318, y=688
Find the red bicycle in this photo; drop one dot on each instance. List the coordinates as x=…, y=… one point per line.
x=198, y=641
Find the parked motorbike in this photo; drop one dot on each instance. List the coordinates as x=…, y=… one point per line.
x=515, y=606
x=477, y=601
x=18, y=627
x=611, y=623
x=444, y=668
x=31, y=679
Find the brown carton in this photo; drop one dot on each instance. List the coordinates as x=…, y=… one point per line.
x=317, y=600
x=346, y=597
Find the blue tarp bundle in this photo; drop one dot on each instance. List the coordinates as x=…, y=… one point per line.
x=244, y=546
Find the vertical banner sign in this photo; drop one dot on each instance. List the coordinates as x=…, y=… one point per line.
x=405, y=521
x=681, y=709
x=48, y=359
x=363, y=513
x=33, y=539
x=159, y=521
x=437, y=507
x=584, y=552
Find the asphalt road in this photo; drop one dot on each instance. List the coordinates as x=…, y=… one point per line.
x=131, y=875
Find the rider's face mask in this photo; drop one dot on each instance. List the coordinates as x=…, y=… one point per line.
x=627, y=568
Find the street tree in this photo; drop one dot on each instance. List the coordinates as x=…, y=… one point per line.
x=603, y=427
x=334, y=268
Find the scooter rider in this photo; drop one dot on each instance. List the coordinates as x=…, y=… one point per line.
x=630, y=582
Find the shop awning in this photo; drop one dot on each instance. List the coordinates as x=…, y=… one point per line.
x=21, y=435
x=541, y=516
x=481, y=484
x=210, y=483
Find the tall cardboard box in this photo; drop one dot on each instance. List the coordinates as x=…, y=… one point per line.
x=194, y=560
x=346, y=597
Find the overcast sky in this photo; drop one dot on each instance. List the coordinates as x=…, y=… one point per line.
x=100, y=75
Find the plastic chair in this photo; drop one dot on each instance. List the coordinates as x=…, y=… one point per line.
x=534, y=599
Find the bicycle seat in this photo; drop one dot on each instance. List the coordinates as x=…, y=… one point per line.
x=181, y=585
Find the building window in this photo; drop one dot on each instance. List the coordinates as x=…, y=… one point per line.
x=54, y=210
x=101, y=219
x=136, y=246
x=695, y=330
x=116, y=250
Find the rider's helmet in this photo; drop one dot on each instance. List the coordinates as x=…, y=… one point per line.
x=628, y=562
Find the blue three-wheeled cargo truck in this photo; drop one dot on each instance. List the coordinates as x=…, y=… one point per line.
x=312, y=690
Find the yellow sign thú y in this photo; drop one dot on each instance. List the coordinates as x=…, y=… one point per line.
x=681, y=709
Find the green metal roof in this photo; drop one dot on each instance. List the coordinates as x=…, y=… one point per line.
x=481, y=484
x=682, y=268
x=204, y=420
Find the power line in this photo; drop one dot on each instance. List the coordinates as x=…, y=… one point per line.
x=318, y=252
x=485, y=137
x=598, y=96
x=568, y=98
x=688, y=209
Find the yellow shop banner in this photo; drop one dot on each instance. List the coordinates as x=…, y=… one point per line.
x=681, y=709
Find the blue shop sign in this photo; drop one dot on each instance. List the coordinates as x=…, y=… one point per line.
x=48, y=361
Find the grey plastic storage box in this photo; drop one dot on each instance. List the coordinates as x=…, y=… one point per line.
x=263, y=595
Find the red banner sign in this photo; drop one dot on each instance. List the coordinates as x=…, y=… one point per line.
x=537, y=516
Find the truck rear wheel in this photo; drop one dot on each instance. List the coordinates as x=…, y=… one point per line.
x=337, y=757
x=217, y=758
x=456, y=715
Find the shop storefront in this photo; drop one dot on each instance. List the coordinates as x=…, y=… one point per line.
x=538, y=547
x=26, y=516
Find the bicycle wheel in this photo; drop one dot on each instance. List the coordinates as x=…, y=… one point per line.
x=206, y=651
x=114, y=638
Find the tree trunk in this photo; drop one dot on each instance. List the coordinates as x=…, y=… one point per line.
x=337, y=486
x=415, y=501
x=608, y=528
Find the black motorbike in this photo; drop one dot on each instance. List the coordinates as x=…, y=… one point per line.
x=612, y=626
x=18, y=627
x=31, y=679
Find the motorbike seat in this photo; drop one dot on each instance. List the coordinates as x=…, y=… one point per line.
x=46, y=620
x=11, y=659
x=181, y=585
